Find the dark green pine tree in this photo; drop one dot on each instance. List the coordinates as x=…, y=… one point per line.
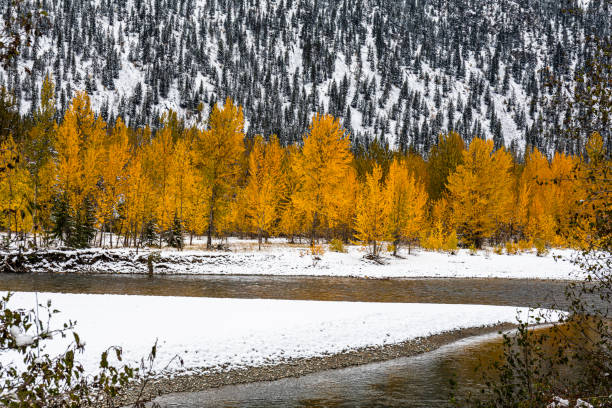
x=83, y=231
x=150, y=234
x=174, y=236
x=62, y=222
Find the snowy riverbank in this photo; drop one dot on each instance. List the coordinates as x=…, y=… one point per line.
x=294, y=260
x=218, y=335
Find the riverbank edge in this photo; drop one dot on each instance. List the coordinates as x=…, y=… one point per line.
x=202, y=263
x=303, y=366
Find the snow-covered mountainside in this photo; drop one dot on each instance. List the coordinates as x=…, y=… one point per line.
x=403, y=69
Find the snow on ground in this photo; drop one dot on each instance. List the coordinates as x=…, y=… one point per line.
x=283, y=260
x=222, y=334
x=277, y=257
x=290, y=261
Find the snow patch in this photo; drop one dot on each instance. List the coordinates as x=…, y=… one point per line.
x=214, y=335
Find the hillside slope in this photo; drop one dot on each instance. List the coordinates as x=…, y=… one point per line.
x=406, y=70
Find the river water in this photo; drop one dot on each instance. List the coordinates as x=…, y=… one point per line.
x=419, y=381
x=472, y=291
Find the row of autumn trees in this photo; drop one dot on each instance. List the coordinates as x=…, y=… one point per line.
x=80, y=179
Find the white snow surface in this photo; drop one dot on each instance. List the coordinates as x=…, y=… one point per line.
x=214, y=335
x=288, y=260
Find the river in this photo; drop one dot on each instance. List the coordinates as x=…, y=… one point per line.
x=420, y=381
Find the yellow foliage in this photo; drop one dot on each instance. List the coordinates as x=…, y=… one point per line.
x=320, y=169
x=160, y=165
x=524, y=245
x=434, y=239
x=79, y=152
x=438, y=240
x=540, y=246
x=451, y=242
x=336, y=245
x=15, y=189
x=547, y=197
x=138, y=198
x=316, y=251
x=341, y=211
x=292, y=219
x=512, y=248
x=372, y=212
x=480, y=192
x=404, y=199
x=115, y=155
x=444, y=158
x=263, y=191
x=218, y=157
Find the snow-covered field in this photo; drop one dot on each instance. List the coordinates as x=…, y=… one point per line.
x=222, y=334
x=278, y=258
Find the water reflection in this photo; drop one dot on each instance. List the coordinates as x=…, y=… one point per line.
x=420, y=381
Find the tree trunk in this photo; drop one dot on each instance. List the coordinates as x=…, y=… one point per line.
x=210, y=220
x=313, y=233
x=35, y=215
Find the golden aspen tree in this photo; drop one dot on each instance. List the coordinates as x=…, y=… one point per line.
x=292, y=218
x=219, y=151
x=480, y=191
x=263, y=189
x=548, y=191
x=44, y=201
x=341, y=211
x=240, y=220
x=196, y=221
x=369, y=153
x=405, y=199
x=182, y=182
x=138, y=198
x=115, y=156
x=442, y=235
x=79, y=140
x=444, y=158
x=160, y=166
x=15, y=189
x=564, y=196
x=320, y=168
x=522, y=207
x=37, y=151
x=592, y=214
x=533, y=188
x=372, y=212
x=417, y=167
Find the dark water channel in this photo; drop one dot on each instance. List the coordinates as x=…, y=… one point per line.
x=420, y=381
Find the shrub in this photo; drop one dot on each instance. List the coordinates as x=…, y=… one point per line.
x=473, y=249
x=540, y=247
x=46, y=381
x=512, y=248
x=451, y=242
x=336, y=245
x=434, y=240
x=498, y=249
x=524, y=245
